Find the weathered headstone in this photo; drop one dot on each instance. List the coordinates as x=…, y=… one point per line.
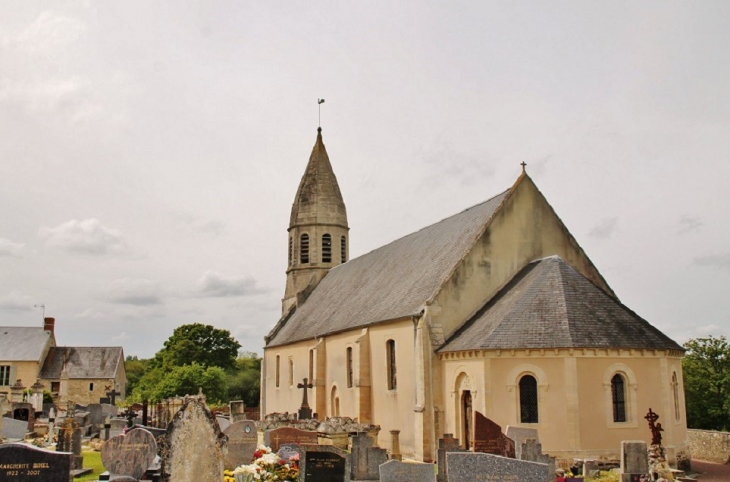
x=238, y=410
x=195, y=444
x=531, y=451
x=634, y=459
x=397, y=471
x=519, y=435
x=14, y=429
x=468, y=467
x=590, y=468
x=285, y=435
x=96, y=414
x=365, y=459
x=24, y=463
x=130, y=454
x=446, y=444
x=69, y=440
x=323, y=463
x=242, y=442
x=489, y=439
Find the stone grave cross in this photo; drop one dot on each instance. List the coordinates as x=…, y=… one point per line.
x=113, y=394
x=305, y=412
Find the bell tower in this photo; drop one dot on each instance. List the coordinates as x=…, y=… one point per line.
x=318, y=231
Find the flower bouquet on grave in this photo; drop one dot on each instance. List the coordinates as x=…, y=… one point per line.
x=268, y=466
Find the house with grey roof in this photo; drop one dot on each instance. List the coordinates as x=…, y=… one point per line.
x=496, y=309
x=22, y=351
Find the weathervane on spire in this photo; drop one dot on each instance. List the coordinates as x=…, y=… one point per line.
x=319, y=108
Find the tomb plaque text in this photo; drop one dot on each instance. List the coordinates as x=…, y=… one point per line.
x=324, y=467
x=20, y=463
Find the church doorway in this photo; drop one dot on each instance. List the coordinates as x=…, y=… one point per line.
x=466, y=418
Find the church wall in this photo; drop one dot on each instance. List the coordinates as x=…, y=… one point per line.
x=336, y=375
x=394, y=409
x=287, y=397
x=525, y=229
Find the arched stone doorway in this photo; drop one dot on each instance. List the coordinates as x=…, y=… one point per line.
x=466, y=418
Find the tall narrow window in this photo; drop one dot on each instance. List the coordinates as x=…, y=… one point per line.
x=291, y=250
x=326, y=248
x=390, y=353
x=311, y=365
x=304, y=248
x=278, y=372
x=91, y=386
x=675, y=392
x=528, y=399
x=349, y=367
x=5, y=375
x=343, y=249
x=291, y=372
x=618, y=395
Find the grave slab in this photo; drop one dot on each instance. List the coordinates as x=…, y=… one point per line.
x=130, y=454
x=242, y=442
x=24, y=463
x=471, y=467
x=446, y=444
x=365, y=458
x=323, y=463
x=397, y=471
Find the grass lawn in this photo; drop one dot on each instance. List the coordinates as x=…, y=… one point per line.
x=92, y=460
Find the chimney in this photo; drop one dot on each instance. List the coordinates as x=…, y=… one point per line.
x=48, y=324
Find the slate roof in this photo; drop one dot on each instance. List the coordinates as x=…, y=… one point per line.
x=22, y=343
x=548, y=304
x=390, y=282
x=83, y=362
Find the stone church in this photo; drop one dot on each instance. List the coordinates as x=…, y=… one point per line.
x=496, y=309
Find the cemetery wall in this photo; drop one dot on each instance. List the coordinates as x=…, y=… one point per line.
x=496, y=256
x=709, y=445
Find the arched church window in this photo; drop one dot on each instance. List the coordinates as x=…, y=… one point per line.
x=278, y=360
x=343, y=249
x=675, y=392
x=326, y=248
x=618, y=396
x=528, y=399
x=304, y=248
x=349, y=367
x=291, y=250
x=390, y=353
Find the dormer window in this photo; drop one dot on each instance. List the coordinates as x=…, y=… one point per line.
x=326, y=248
x=304, y=249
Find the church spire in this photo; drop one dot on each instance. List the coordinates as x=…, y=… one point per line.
x=318, y=230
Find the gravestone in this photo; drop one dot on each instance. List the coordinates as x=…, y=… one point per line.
x=397, y=471
x=238, y=410
x=285, y=435
x=223, y=423
x=634, y=459
x=489, y=439
x=520, y=435
x=96, y=414
x=242, y=442
x=130, y=454
x=287, y=451
x=365, y=459
x=69, y=440
x=590, y=468
x=109, y=410
x=14, y=429
x=531, y=451
x=24, y=463
x=323, y=463
x=446, y=444
x=470, y=467
x=194, y=444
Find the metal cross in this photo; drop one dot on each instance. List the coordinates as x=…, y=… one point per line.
x=523, y=164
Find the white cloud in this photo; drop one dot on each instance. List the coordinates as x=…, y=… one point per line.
x=48, y=32
x=121, y=337
x=138, y=292
x=90, y=314
x=84, y=237
x=16, y=301
x=215, y=284
x=688, y=224
x=721, y=261
x=9, y=248
x=604, y=229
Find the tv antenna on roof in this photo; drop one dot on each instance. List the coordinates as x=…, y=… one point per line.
x=42, y=306
x=319, y=113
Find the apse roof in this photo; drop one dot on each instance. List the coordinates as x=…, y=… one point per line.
x=549, y=304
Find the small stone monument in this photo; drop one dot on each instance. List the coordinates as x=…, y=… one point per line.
x=305, y=413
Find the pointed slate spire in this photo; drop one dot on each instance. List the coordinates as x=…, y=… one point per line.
x=318, y=199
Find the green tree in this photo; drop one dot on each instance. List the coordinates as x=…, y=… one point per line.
x=706, y=368
x=188, y=379
x=135, y=369
x=244, y=382
x=198, y=343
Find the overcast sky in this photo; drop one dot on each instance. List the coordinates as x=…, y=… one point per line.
x=150, y=151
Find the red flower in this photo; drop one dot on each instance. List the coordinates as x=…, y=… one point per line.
x=282, y=462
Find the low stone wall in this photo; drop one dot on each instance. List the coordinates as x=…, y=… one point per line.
x=709, y=445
